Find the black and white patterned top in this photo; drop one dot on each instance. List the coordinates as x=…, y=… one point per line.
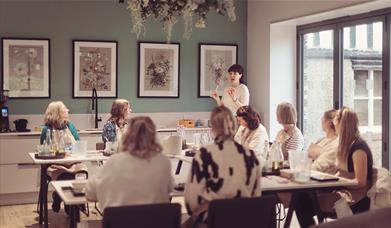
x=222, y=170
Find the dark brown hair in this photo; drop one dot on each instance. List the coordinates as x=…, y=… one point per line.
x=118, y=110
x=251, y=117
x=236, y=68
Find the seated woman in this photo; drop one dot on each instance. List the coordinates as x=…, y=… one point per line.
x=324, y=151
x=290, y=136
x=251, y=133
x=354, y=161
x=57, y=118
x=224, y=169
x=116, y=124
x=140, y=174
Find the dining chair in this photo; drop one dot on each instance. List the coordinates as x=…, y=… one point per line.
x=165, y=215
x=256, y=212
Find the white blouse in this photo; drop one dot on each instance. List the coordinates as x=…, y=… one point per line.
x=254, y=140
x=242, y=94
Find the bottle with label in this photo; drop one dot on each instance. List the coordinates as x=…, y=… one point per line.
x=276, y=156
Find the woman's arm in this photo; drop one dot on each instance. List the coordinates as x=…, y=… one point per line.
x=360, y=168
x=216, y=97
x=314, y=151
x=73, y=130
x=195, y=186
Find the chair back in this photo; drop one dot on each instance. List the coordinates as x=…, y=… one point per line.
x=150, y=215
x=256, y=212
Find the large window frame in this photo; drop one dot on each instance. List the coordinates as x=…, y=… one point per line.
x=337, y=25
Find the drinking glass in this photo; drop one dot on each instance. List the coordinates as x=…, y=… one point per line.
x=302, y=172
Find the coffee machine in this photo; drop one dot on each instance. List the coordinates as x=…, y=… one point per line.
x=4, y=118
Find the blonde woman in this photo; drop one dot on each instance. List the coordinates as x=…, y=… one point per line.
x=354, y=161
x=235, y=95
x=324, y=151
x=221, y=170
x=116, y=124
x=57, y=118
x=290, y=136
x=140, y=174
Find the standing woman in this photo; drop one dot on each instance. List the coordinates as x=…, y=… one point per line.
x=251, y=133
x=354, y=161
x=237, y=94
x=324, y=151
x=116, y=124
x=56, y=118
x=290, y=136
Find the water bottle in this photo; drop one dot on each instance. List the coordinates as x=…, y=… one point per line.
x=47, y=143
x=61, y=142
x=277, y=157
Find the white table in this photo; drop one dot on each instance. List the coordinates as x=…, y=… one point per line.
x=45, y=163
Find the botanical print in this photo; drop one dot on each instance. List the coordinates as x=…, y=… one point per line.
x=158, y=69
x=95, y=69
x=217, y=63
x=26, y=68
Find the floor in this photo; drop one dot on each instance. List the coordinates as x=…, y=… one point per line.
x=17, y=216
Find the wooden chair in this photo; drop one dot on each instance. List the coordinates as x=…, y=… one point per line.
x=165, y=215
x=243, y=212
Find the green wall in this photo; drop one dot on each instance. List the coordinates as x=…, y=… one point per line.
x=64, y=20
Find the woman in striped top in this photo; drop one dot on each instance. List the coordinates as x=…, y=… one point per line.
x=290, y=136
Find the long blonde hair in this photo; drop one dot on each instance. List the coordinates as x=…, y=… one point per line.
x=348, y=132
x=140, y=138
x=286, y=113
x=119, y=108
x=53, y=116
x=223, y=125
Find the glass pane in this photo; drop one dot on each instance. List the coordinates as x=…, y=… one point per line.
x=361, y=108
x=317, y=81
x=377, y=84
x=377, y=118
x=362, y=80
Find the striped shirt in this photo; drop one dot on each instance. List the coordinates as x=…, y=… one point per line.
x=294, y=141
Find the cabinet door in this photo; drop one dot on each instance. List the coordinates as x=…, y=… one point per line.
x=19, y=178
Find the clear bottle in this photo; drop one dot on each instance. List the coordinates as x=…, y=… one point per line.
x=267, y=158
x=61, y=142
x=48, y=142
x=54, y=143
x=276, y=156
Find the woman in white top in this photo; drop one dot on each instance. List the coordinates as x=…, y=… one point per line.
x=290, y=136
x=324, y=151
x=235, y=95
x=251, y=133
x=140, y=174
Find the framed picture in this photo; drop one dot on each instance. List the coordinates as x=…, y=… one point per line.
x=26, y=67
x=95, y=66
x=158, y=70
x=214, y=61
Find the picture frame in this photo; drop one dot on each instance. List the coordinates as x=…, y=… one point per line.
x=26, y=67
x=158, y=70
x=95, y=65
x=214, y=61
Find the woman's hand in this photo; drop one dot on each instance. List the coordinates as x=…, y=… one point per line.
x=314, y=151
x=215, y=96
x=232, y=93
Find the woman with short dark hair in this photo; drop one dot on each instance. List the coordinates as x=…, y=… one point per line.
x=235, y=95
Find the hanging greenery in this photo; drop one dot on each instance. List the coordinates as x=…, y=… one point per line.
x=168, y=12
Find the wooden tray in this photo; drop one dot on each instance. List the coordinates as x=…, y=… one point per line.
x=58, y=156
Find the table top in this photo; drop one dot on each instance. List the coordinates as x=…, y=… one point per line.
x=268, y=184
x=90, y=155
x=277, y=183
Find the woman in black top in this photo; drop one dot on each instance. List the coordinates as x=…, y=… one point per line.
x=354, y=161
